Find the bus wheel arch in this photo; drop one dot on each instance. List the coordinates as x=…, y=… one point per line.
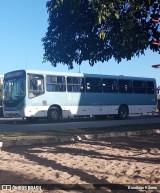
x=123, y=111
x=54, y=113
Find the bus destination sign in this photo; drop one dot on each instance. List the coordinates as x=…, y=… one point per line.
x=15, y=74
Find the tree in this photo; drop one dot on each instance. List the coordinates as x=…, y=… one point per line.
x=97, y=30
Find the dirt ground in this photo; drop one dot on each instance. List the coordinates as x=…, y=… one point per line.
x=133, y=161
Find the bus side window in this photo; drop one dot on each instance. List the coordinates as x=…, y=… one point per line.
x=125, y=86
x=55, y=83
x=150, y=87
x=139, y=87
x=75, y=84
x=32, y=85
x=36, y=85
x=93, y=85
x=109, y=85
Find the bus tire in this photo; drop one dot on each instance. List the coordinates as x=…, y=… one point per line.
x=123, y=112
x=53, y=115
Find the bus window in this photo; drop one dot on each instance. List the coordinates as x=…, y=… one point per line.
x=36, y=85
x=139, y=87
x=14, y=88
x=75, y=84
x=125, y=86
x=55, y=83
x=93, y=85
x=150, y=87
x=109, y=85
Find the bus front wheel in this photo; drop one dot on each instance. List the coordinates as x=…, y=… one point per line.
x=123, y=112
x=53, y=115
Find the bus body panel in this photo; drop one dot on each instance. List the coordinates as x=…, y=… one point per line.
x=77, y=103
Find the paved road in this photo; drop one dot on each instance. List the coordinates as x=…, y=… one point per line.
x=19, y=125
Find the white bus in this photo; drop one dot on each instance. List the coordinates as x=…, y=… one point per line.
x=37, y=94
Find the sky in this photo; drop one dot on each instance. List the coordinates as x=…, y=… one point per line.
x=23, y=23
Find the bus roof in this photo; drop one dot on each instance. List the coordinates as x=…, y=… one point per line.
x=83, y=74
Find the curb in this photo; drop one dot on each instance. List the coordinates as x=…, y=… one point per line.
x=50, y=140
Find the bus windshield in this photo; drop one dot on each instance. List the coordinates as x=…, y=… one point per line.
x=14, y=88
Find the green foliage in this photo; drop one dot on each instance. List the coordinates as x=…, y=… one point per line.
x=97, y=30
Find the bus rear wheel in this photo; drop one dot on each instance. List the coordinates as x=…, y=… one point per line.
x=53, y=115
x=123, y=112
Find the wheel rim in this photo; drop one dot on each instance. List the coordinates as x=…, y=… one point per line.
x=123, y=113
x=54, y=115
